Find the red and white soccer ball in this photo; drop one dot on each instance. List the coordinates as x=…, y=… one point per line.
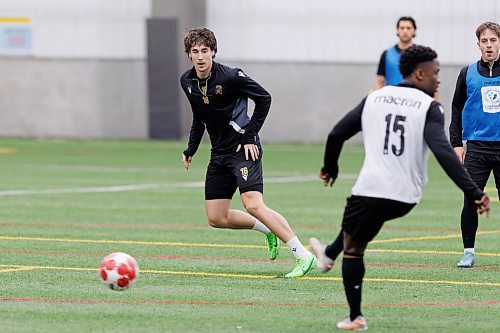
x=119, y=270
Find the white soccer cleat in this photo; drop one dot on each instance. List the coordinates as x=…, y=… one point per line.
x=358, y=324
x=467, y=261
x=324, y=263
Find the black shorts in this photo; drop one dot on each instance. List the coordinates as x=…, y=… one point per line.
x=480, y=166
x=225, y=173
x=365, y=216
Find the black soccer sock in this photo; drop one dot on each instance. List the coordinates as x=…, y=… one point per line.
x=469, y=223
x=353, y=271
x=333, y=250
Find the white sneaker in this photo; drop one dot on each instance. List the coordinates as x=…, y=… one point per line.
x=358, y=324
x=324, y=263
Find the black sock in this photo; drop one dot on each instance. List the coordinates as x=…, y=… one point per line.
x=333, y=250
x=353, y=271
x=469, y=223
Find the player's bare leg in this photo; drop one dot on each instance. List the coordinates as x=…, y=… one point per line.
x=220, y=215
x=254, y=204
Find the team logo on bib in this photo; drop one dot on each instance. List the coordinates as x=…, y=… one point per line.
x=491, y=99
x=244, y=173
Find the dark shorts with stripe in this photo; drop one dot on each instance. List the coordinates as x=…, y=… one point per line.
x=226, y=173
x=365, y=216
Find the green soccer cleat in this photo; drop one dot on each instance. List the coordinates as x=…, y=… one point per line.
x=273, y=245
x=302, y=267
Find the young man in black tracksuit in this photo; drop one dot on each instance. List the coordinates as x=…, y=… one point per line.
x=218, y=95
x=475, y=118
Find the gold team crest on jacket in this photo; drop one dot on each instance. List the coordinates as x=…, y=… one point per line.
x=204, y=93
x=218, y=90
x=244, y=173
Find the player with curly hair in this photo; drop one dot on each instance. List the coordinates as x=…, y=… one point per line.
x=219, y=95
x=399, y=125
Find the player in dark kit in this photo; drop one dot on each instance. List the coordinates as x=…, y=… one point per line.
x=399, y=125
x=475, y=118
x=218, y=95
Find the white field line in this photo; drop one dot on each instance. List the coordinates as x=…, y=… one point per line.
x=103, y=169
x=98, y=169
x=142, y=187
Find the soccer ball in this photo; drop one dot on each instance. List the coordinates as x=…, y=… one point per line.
x=119, y=270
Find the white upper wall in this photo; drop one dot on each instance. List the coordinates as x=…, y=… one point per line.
x=344, y=31
x=114, y=29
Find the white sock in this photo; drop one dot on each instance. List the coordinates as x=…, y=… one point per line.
x=298, y=250
x=261, y=227
x=471, y=250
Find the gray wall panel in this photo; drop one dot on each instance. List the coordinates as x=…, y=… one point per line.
x=308, y=99
x=74, y=99
x=189, y=14
x=164, y=111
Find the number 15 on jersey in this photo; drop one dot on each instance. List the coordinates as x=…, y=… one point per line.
x=396, y=131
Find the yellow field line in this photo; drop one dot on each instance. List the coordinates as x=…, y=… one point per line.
x=243, y=246
x=6, y=151
x=404, y=239
x=23, y=20
x=21, y=268
x=109, y=241
x=485, y=254
x=468, y=283
x=254, y=276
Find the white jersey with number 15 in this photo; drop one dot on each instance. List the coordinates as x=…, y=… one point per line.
x=395, y=165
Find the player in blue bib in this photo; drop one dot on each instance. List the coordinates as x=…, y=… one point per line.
x=475, y=118
x=388, y=73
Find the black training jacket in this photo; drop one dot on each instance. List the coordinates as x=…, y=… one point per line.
x=223, y=109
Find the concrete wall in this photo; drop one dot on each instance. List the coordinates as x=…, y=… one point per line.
x=73, y=98
x=81, y=95
x=340, y=31
x=189, y=14
x=308, y=99
x=85, y=74
x=318, y=58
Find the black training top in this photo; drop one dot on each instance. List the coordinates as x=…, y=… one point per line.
x=457, y=106
x=220, y=103
x=434, y=136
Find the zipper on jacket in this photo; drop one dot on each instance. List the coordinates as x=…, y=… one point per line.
x=206, y=84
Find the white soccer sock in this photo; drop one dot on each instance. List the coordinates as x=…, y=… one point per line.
x=298, y=250
x=261, y=227
x=471, y=250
